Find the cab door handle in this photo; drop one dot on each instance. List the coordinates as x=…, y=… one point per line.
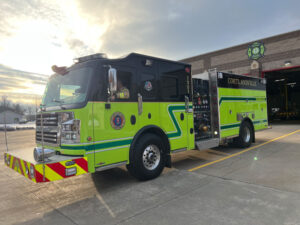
x=187, y=107
x=140, y=103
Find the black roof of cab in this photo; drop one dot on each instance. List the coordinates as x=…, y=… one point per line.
x=103, y=58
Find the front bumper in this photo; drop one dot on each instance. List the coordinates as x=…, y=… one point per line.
x=55, y=168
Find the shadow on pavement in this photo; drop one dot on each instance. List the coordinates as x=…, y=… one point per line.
x=113, y=178
x=96, y=207
x=285, y=122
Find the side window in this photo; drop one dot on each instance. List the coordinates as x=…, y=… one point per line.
x=99, y=86
x=173, y=82
x=148, y=86
x=124, y=86
x=169, y=88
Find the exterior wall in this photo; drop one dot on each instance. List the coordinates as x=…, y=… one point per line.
x=279, y=63
x=278, y=50
x=9, y=117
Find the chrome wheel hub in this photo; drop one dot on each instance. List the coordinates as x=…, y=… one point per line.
x=247, y=134
x=151, y=157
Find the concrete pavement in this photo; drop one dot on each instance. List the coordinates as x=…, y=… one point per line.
x=261, y=186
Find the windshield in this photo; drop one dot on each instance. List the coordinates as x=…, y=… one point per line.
x=67, y=89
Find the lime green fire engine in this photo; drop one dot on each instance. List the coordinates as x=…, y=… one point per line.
x=136, y=111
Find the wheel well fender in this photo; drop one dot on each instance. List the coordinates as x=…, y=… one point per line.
x=247, y=119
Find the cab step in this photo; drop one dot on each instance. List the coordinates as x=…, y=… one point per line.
x=209, y=143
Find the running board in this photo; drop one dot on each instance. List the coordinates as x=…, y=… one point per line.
x=102, y=168
x=206, y=144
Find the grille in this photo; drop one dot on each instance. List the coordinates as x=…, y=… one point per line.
x=50, y=129
x=49, y=137
x=49, y=119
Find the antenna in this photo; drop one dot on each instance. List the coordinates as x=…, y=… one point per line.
x=4, y=117
x=42, y=133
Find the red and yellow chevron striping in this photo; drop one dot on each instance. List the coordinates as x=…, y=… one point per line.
x=38, y=172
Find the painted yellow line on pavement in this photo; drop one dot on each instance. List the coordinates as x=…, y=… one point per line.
x=241, y=152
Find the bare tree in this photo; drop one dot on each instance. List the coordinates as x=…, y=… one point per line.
x=4, y=101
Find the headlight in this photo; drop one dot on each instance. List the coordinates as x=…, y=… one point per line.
x=67, y=127
x=32, y=171
x=70, y=132
x=66, y=116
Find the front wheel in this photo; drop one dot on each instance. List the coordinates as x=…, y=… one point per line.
x=245, y=137
x=147, y=158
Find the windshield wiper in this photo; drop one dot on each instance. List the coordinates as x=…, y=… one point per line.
x=60, y=102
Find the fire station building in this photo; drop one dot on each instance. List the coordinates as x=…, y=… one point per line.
x=275, y=58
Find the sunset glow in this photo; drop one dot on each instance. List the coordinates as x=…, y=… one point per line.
x=34, y=35
x=36, y=44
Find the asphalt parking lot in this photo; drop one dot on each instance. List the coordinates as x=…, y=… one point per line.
x=259, y=185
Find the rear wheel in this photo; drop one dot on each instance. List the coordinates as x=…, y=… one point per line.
x=245, y=137
x=147, y=158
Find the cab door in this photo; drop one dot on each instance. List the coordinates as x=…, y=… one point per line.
x=172, y=92
x=148, y=90
x=114, y=132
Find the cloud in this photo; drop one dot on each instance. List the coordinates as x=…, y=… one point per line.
x=36, y=34
x=21, y=86
x=177, y=29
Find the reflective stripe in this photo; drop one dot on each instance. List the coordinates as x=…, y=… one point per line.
x=53, y=171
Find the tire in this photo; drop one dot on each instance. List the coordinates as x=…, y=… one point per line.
x=147, y=158
x=245, y=138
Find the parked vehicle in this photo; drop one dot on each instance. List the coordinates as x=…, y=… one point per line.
x=136, y=111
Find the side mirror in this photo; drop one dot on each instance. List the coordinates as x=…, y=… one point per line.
x=112, y=79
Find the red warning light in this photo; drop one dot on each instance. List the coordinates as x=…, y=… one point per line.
x=187, y=69
x=199, y=101
x=89, y=138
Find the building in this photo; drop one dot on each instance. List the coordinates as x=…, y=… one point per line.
x=10, y=117
x=275, y=58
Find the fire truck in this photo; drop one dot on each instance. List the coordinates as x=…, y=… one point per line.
x=85, y=124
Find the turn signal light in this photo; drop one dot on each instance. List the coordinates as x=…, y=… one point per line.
x=71, y=171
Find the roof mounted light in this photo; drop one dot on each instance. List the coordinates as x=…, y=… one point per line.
x=59, y=70
x=90, y=57
x=187, y=69
x=287, y=63
x=292, y=84
x=148, y=62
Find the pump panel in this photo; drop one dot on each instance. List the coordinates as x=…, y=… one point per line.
x=202, y=112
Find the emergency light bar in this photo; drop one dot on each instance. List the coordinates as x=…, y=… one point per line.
x=90, y=57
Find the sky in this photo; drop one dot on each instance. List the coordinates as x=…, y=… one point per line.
x=36, y=34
